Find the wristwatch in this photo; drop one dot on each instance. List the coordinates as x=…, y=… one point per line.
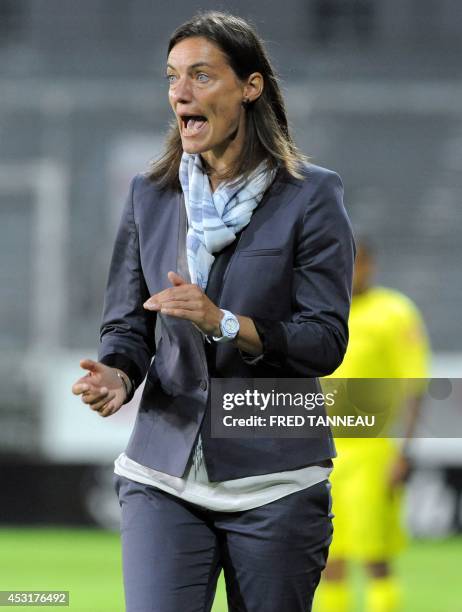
x=229, y=326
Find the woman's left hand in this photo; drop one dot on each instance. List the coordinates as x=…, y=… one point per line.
x=187, y=301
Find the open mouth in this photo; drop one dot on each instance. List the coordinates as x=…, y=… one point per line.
x=192, y=124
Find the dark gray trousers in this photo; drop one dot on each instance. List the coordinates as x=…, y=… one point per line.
x=173, y=551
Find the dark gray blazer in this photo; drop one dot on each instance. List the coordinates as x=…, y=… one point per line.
x=291, y=271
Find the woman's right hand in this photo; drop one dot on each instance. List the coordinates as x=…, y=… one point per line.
x=101, y=388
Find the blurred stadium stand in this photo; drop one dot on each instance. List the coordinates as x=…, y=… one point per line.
x=373, y=89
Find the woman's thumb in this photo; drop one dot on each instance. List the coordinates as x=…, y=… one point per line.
x=176, y=279
x=89, y=364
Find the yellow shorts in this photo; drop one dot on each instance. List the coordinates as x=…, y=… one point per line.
x=367, y=521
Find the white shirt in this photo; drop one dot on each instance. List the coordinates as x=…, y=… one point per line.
x=228, y=495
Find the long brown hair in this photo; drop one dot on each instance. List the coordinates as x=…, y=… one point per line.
x=267, y=129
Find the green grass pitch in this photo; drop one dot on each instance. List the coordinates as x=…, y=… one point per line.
x=87, y=563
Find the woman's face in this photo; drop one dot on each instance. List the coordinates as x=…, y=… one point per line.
x=206, y=97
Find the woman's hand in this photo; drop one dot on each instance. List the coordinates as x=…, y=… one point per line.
x=187, y=301
x=101, y=388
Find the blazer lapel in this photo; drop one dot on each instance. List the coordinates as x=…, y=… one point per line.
x=182, y=258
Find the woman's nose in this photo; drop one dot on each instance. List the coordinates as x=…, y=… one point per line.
x=181, y=91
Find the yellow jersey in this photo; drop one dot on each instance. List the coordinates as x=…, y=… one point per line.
x=387, y=338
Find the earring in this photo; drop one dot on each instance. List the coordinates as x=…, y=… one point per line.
x=245, y=102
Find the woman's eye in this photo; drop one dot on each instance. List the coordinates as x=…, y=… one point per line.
x=170, y=78
x=202, y=77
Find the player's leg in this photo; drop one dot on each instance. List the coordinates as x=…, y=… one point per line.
x=383, y=592
x=380, y=536
x=170, y=553
x=335, y=592
x=273, y=555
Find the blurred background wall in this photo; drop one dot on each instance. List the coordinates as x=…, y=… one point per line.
x=374, y=91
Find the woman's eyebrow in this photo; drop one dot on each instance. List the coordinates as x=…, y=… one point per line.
x=195, y=65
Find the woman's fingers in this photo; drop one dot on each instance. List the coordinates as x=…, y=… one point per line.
x=89, y=380
x=85, y=385
x=108, y=409
x=193, y=306
x=100, y=401
x=181, y=292
x=79, y=387
x=202, y=312
x=104, y=399
x=95, y=395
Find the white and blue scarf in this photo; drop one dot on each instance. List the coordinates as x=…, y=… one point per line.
x=214, y=218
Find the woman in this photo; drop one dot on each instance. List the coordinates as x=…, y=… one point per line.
x=233, y=259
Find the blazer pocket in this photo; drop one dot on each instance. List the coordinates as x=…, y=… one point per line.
x=261, y=253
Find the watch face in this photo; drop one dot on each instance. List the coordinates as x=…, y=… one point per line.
x=231, y=326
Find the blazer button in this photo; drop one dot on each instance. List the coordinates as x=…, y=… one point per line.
x=203, y=384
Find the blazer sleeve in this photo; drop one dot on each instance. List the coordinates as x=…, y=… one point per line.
x=127, y=330
x=314, y=341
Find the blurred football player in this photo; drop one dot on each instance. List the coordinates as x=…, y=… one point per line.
x=387, y=340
